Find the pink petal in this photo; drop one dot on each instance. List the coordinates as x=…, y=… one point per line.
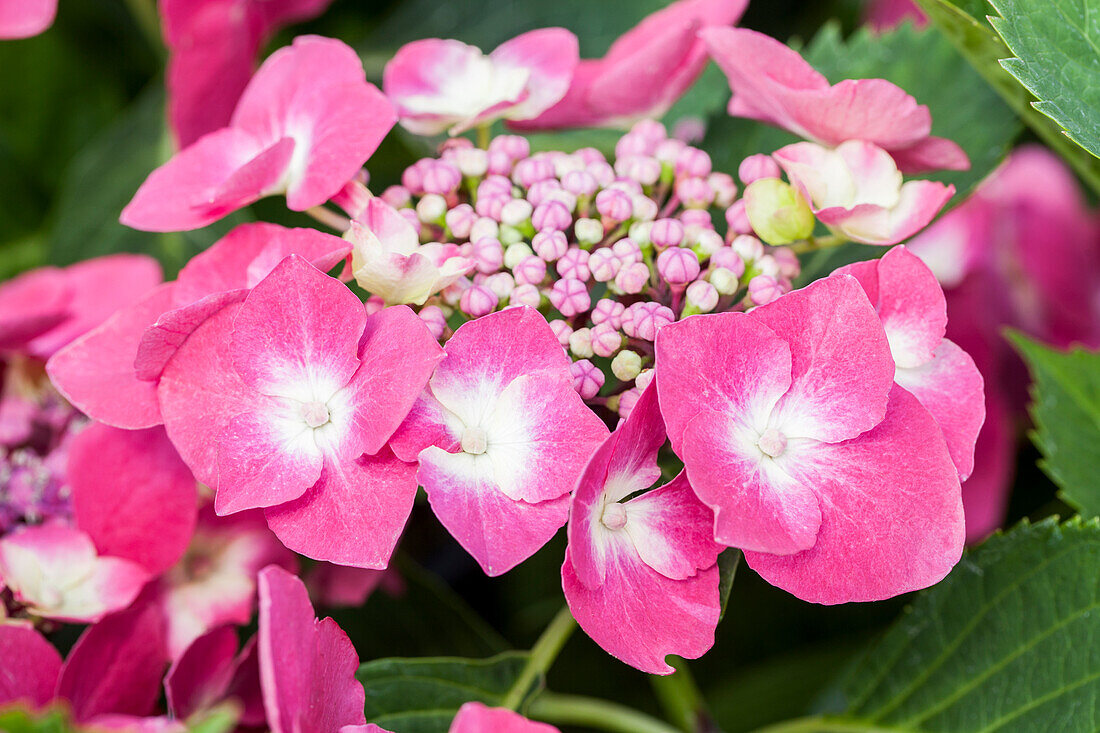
x=425, y=425
x=672, y=530
x=550, y=55
x=307, y=667
x=177, y=195
x=863, y=552
x=931, y=154
x=297, y=332
x=337, y=585
x=639, y=616
x=32, y=680
x=919, y=203
x=135, y=724
x=96, y=372
x=474, y=717
x=574, y=109
x=116, y=665
x=132, y=494
x=985, y=494
x=161, y=340
x=316, y=92
x=842, y=369
x=199, y=678
x=32, y=304
x=25, y=18
x=497, y=531
x=354, y=515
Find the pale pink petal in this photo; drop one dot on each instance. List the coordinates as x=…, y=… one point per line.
x=672, y=530
x=33, y=303
x=33, y=679
x=132, y=494
x=307, y=667
x=931, y=154
x=338, y=585
x=640, y=616
x=497, y=531
x=296, y=333
x=354, y=515
x=841, y=364
x=474, y=717
x=96, y=372
x=117, y=665
x=200, y=677
x=919, y=203
x=25, y=18
x=550, y=55
x=900, y=470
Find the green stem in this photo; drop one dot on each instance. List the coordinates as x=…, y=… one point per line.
x=483, y=137
x=821, y=724
x=543, y=654
x=145, y=15
x=680, y=698
x=819, y=243
x=594, y=713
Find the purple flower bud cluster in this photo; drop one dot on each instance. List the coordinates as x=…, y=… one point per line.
x=611, y=251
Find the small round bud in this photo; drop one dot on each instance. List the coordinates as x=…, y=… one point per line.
x=433, y=318
x=667, y=233
x=494, y=186
x=631, y=145
x=643, y=320
x=725, y=190
x=627, y=400
x=587, y=379
x=412, y=178
x=737, y=219
x=694, y=193
x=590, y=156
x=502, y=283
x=626, y=365
x=441, y=177
x=632, y=278
x=574, y=264
x=644, y=378
x=516, y=253
x=477, y=301
x=651, y=130
x=397, y=196
x=627, y=251
x=484, y=227
x=570, y=297
x=541, y=191
x=614, y=205
x=669, y=150
x=580, y=183
x=728, y=258
x=531, y=170
x=699, y=218
x=566, y=164
x=460, y=220
x=789, y=266
x=510, y=235
x=755, y=167
x=692, y=162
x=580, y=343
x=516, y=212
x=531, y=269
x=374, y=304
x=747, y=247
x=777, y=211
x=602, y=172
x=588, y=231
x=640, y=168
x=604, y=265
x=763, y=290
x=767, y=265
x=724, y=281
x=562, y=331
x=691, y=129
x=702, y=296
x=606, y=339
x=551, y=215
x=488, y=255
x=608, y=311
x=526, y=294
x=645, y=208
x=639, y=232
x=492, y=206
x=472, y=162
x=678, y=265
x=550, y=245
x=431, y=208
x=500, y=164
x=514, y=146
x=707, y=242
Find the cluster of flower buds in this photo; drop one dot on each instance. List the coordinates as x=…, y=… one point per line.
x=610, y=250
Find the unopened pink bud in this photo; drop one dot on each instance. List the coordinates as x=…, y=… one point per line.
x=570, y=297
x=551, y=215
x=502, y=284
x=604, y=265
x=696, y=218
x=472, y=162
x=702, y=296
x=692, y=162
x=691, y=129
x=606, y=339
x=452, y=145
x=397, y=196
x=747, y=247
x=669, y=150
x=478, y=301
x=707, y=242
x=644, y=320
x=550, y=245
x=374, y=304
x=763, y=290
x=630, y=145
x=412, y=178
x=590, y=156
x=484, y=227
x=767, y=265
x=441, y=177
x=667, y=233
x=789, y=266
x=737, y=219
x=694, y=193
x=602, y=172
x=515, y=212
x=645, y=208
x=514, y=146
x=614, y=205
x=608, y=311
x=728, y=258
x=500, y=164
x=725, y=190
x=587, y=379
x=627, y=401
x=494, y=186
x=562, y=331
x=531, y=170
x=640, y=168
x=492, y=206
x=756, y=167
x=678, y=265
x=488, y=255
x=649, y=129
x=434, y=319
x=539, y=193
x=460, y=220
x=627, y=251
x=632, y=278
x=453, y=292
x=580, y=343
x=580, y=183
x=644, y=378
x=574, y=264
x=526, y=294
x=530, y=269
x=565, y=164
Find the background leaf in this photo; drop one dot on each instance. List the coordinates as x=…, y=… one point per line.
x=422, y=695
x=1065, y=407
x=1057, y=59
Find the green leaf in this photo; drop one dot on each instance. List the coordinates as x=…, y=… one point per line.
x=975, y=40
x=727, y=569
x=422, y=695
x=20, y=720
x=1065, y=407
x=221, y=719
x=1005, y=643
x=1057, y=59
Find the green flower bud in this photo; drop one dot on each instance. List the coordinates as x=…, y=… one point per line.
x=777, y=212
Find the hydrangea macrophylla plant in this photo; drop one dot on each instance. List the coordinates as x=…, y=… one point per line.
x=306, y=122
x=932, y=368
x=773, y=84
x=213, y=46
x=791, y=429
x=286, y=402
x=476, y=717
x=25, y=18
x=439, y=85
x=639, y=573
x=644, y=72
x=33, y=682
x=213, y=670
x=501, y=436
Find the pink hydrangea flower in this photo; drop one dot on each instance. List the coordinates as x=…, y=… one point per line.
x=307, y=666
x=773, y=84
x=286, y=402
x=213, y=45
x=857, y=190
x=441, y=85
x=475, y=717
x=213, y=670
x=640, y=575
x=305, y=124
x=501, y=437
x=932, y=368
x=644, y=72
x=388, y=260
x=111, y=372
x=25, y=18
x=792, y=430
x=34, y=680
